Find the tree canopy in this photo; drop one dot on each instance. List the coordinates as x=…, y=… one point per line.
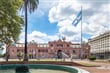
x=10, y=22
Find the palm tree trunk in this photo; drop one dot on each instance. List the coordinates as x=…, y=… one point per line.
x=26, y=25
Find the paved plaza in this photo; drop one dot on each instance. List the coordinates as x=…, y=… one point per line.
x=96, y=70
x=102, y=67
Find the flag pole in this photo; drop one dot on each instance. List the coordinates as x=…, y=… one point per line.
x=75, y=22
x=81, y=34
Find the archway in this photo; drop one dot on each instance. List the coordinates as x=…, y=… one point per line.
x=74, y=54
x=59, y=54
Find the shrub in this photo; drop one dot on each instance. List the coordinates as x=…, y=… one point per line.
x=19, y=55
x=92, y=58
x=108, y=60
x=2, y=55
x=30, y=55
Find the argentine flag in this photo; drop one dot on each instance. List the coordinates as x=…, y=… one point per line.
x=77, y=19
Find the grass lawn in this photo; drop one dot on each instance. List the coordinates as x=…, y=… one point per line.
x=86, y=64
x=102, y=61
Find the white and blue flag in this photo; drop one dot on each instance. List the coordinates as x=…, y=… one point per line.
x=77, y=19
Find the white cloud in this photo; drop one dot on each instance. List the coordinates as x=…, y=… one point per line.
x=38, y=37
x=68, y=30
x=95, y=17
x=43, y=7
x=65, y=9
x=37, y=34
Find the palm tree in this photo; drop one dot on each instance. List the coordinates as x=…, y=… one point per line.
x=28, y=5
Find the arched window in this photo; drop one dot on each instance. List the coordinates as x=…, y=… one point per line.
x=74, y=51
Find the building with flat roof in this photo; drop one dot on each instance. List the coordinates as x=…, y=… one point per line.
x=100, y=46
x=52, y=49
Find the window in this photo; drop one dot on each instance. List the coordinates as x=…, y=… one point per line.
x=51, y=45
x=18, y=50
x=68, y=45
x=42, y=50
x=74, y=51
x=59, y=45
x=38, y=50
x=12, y=50
x=46, y=50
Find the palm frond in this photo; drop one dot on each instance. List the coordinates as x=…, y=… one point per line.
x=32, y=5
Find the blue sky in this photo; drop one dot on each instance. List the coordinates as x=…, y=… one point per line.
x=41, y=24
x=53, y=20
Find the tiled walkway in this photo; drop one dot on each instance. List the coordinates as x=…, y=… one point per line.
x=95, y=70
x=103, y=67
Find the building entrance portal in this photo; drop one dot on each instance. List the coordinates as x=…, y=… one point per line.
x=59, y=54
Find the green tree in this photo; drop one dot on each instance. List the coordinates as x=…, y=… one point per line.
x=28, y=5
x=19, y=55
x=10, y=22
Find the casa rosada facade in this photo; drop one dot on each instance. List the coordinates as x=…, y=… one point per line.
x=52, y=49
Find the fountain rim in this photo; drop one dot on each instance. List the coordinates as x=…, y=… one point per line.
x=13, y=66
x=40, y=66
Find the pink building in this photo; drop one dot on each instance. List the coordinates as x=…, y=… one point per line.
x=52, y=49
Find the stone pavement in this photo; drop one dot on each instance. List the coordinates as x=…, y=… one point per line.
x=95, y=70
x=103, y=67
